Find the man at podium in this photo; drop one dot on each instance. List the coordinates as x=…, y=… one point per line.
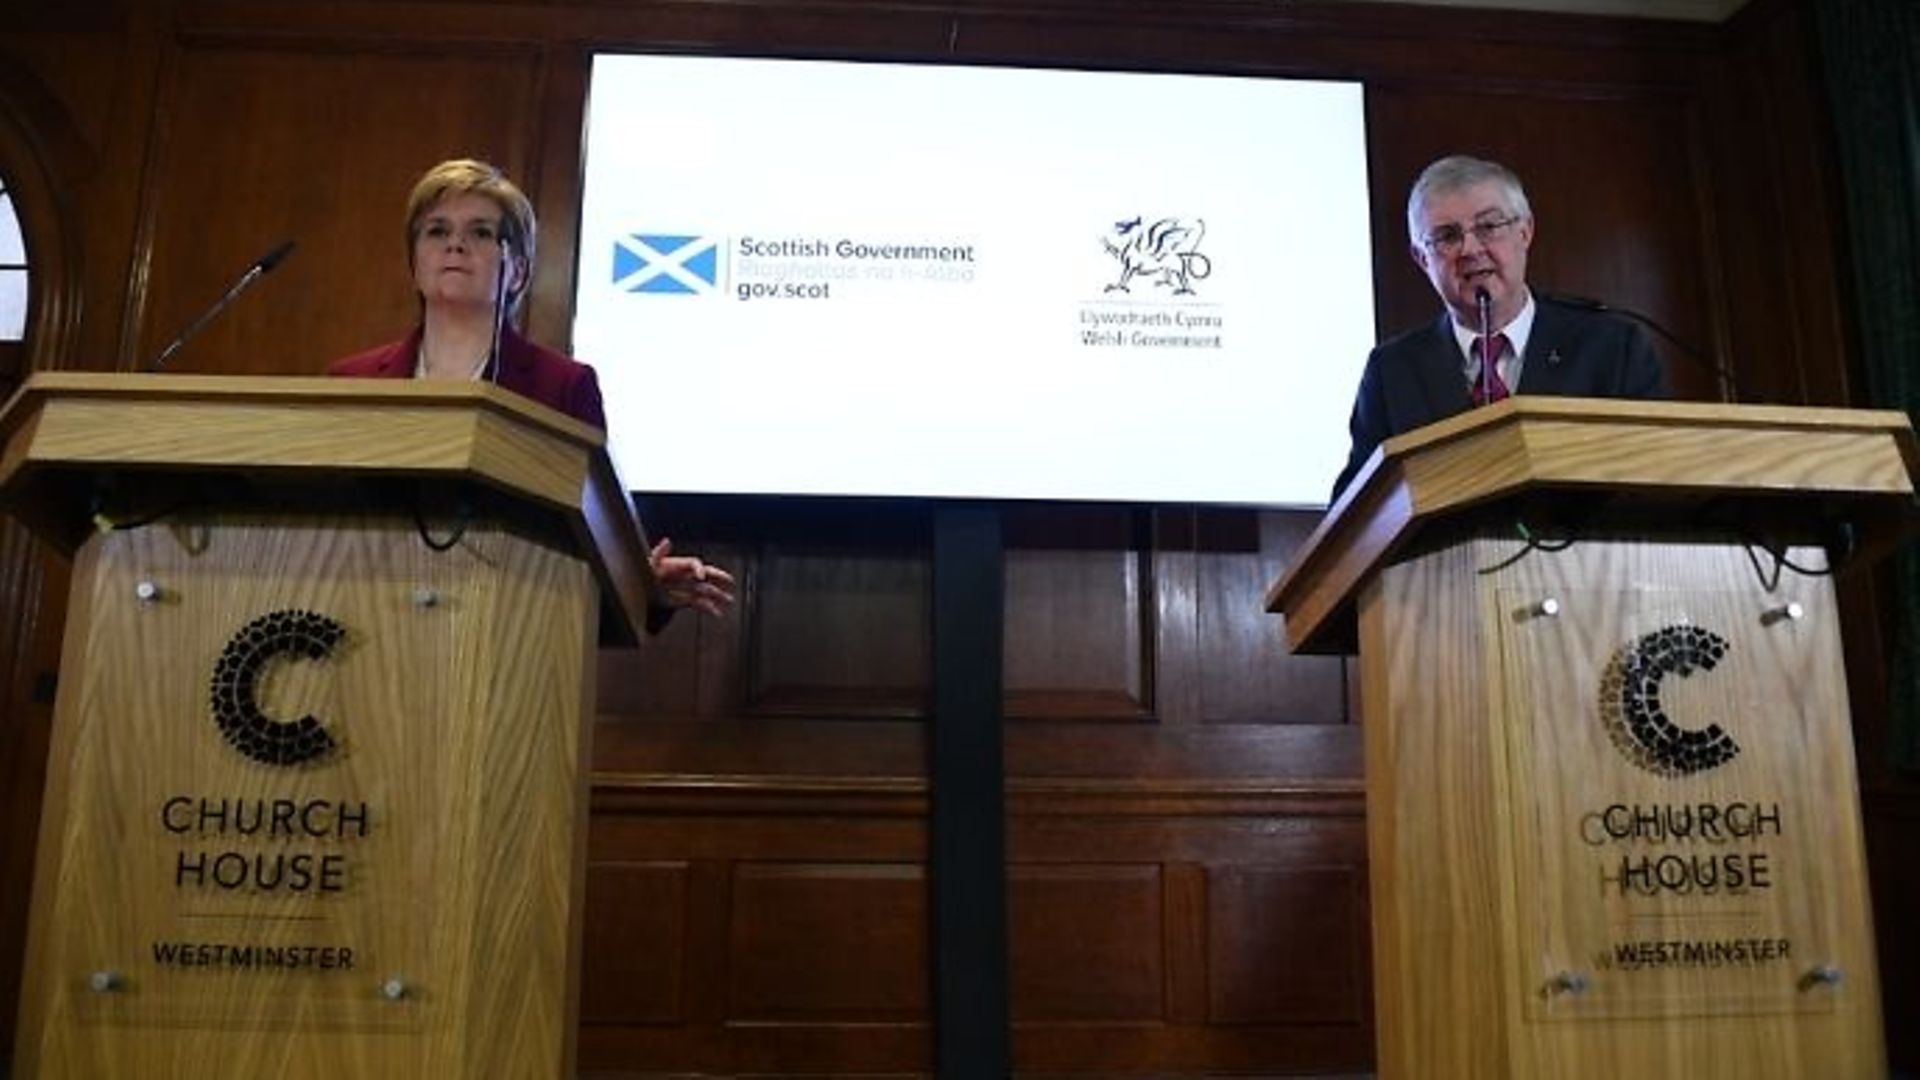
x=1470, y=227
x=470, y=243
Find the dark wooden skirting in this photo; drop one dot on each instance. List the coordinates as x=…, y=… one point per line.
x=787, y=917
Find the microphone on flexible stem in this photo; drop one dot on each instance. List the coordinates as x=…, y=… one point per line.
x=1484, y=303
x=260, y=266
x=1689, y=352
x=499, y=310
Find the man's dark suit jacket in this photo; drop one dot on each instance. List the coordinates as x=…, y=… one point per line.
x=1418, y=377
x=553, y=379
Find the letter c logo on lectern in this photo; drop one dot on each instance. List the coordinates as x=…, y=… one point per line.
x=301, y=634
x=1638, y=723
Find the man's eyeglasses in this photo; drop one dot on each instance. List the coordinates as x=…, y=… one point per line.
x=1449, y=239
x=474, y=234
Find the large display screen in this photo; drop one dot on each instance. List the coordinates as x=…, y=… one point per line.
x=812, y=277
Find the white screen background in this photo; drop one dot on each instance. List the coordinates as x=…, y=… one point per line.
x=974, y=376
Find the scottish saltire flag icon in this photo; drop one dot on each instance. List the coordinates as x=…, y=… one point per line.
x=646, y=263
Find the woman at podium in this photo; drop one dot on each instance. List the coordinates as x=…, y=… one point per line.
x=470, y=244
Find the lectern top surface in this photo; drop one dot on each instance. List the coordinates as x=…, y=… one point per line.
x=1602, y=452
x=63, y=431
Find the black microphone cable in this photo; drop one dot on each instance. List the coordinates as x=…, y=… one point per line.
x=1692, y=353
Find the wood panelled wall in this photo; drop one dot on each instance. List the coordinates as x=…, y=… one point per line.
x=1187, y=888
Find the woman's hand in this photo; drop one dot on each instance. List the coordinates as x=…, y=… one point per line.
x=689, y=581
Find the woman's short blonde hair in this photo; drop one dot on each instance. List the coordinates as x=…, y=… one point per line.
x=462, y=176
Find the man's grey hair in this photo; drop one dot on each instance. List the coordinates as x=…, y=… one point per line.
x=1456, y=173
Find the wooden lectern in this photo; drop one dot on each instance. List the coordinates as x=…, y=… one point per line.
x=1612, y=813
x=316, y=799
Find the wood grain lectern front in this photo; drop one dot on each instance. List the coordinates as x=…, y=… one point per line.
x=1612, y=810
x=316, y=797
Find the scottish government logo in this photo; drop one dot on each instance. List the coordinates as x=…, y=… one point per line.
x=666, y=265
x=236, y=679
x=1637, y=721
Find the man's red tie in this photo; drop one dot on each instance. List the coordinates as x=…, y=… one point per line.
x=1489, y=387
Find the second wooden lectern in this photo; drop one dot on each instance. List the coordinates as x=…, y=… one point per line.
x=1612, y=815
x=316, y=798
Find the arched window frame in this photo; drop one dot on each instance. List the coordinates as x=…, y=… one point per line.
x=36, y=137
x=16, y=271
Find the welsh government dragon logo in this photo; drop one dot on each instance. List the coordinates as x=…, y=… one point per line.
x=1636, y=720
x=1166, y=252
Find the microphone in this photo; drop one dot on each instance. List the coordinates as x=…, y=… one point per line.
x=1691, y=353
x=499, y=308
x=260, y=266
x=1484, y=302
